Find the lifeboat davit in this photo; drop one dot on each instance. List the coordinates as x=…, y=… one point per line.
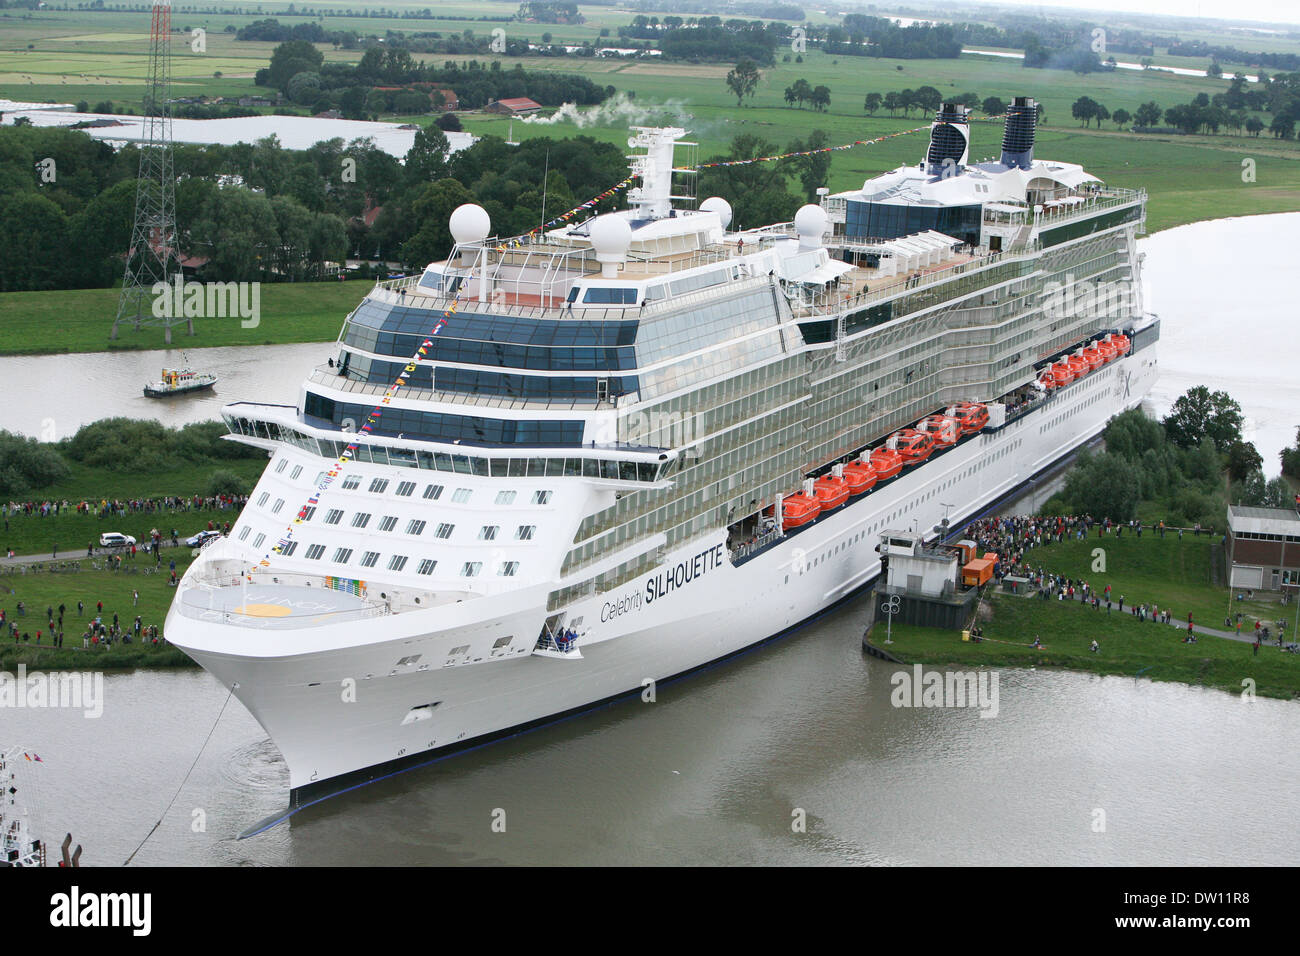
x=831, y=492
x=914, y=446
x=860, y=477
x=1094, y=358
x=944, y=429
x=972, y=416
x=799, y=510
x=1078, y=365
x=1047, y=379
x=1061, y=372
x=886, y=463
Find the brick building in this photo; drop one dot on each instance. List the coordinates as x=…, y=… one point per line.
x=1264, y=548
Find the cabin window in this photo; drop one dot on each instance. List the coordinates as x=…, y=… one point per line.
x=603, y=295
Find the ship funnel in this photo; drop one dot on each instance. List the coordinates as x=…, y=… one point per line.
x=949, y=148
x=1018, y=135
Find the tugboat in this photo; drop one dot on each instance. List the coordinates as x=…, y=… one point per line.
x=178, y=381
x=18, y=848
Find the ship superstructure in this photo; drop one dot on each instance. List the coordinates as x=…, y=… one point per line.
x=619, y=409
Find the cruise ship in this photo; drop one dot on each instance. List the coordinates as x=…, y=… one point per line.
x=631, y=445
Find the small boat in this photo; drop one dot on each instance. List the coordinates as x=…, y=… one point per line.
x=830, y=492
x=1092, y=354
x=1062, y=374
x=972, y=416
x=1122, y=342
x=1047, y=379
x=178, y=381
x=1109, y=351
x=1078, y=365
x=914, y=446
x=944, y=429
x=886, y=463
x=861, y=477
x=798, y=510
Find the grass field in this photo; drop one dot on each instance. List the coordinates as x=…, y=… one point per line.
x=115, y=589
x=1126, y=647
x=1166, y=572
x=79, y=320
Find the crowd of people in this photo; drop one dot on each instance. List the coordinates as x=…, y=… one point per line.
x=1012, y=537
x=105, y=507
x=96, y=631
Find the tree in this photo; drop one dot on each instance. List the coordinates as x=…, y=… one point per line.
x=1104, y=486
x=872, y=103
x=1121, y=117
x=432, y=240
x=1291, y=458
x=743, y=79
x=993, y=106
x=757, y=192
x=798, y=92
x=893, y=102
x=1085, y=108
x=1243, y=458
x=426, y=160
x=1254, y=126
x=814, y=168
x=1148, y=114
x=1199, y=414
x=449, y=123
x=291, y=58
x=821, y=97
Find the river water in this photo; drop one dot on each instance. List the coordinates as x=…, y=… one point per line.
x=1073, y=769
x=713, y=772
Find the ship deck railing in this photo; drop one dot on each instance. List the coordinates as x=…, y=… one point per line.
x=333, y=378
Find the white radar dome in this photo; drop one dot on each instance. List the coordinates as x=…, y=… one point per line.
x=469, y=223
x=611, y=236
x=810, y=222
x=720, y=206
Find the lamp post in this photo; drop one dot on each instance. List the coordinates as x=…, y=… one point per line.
x=890, y=607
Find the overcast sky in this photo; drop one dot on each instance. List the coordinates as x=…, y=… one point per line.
x=1283, y=11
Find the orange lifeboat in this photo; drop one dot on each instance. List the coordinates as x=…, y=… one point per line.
x=1047, y=379
x=860, y=476
x=799, y=510
x=1078, y=365
x=1123, y=343
x=944, y=429
x=831, y=492
x=1092, y=355
x=972, y=416
x=1108, y=350
x=886, y=463
x=914, y=446
x=1062, y=374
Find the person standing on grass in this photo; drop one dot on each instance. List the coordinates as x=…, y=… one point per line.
x=135, y=598
x=1255, y=645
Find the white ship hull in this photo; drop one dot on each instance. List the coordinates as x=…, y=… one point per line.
x=348, y=712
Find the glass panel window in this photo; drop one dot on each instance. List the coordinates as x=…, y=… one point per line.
x=525, y=532
x=289, y=548
x=263, y=498
x=471, y=569
x=297, y=470
x=378, y=485
x=541, y=497
x=361, y=519
x=508, y=569
x=433, y=492
x=415, y=526
x=387, y=523
x=505, y=497
x=369, y=559
x=334, y=516
x=405, y=489
x=351, y=481
x=342, y=555
x=397, y=562
x=445, y=530
x=243, y=535
x=426, y=566
x=488, y=533
x=314, y=552
x=257, y=542
x=279, y=503
x=461, y=495
x=307, y=512
x=280, y=467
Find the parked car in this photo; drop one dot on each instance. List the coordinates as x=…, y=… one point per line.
x=115, y=539
x=195, y=540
